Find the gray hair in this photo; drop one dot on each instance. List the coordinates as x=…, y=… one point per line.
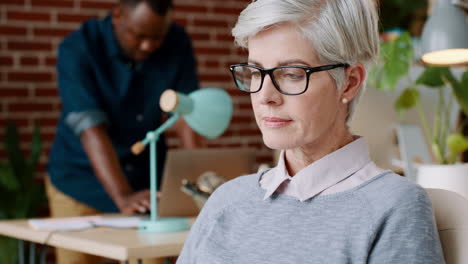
x=341, y=31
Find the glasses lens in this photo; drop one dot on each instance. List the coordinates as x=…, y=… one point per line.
x=291, y=80
x=247, y=78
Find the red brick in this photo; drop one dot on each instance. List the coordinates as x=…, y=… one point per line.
x=214, y=78
x=191, y=8
x=242, y=52
x=224, y=37
x=233, y=145
x=51, y=61
x=97, y=4
x=234, y=92
x=19, y=122
x=13, y=92
x=30, y=77
x=29, y=61
x=213, y=51
x=210, y=23
x=242, y=119
x=46, y=92
x=28, y=46
x=52, y=3
x=13, y=2
x=41, y=167
x=229, y=63
x=27, y=137
x=28, y=16
x=6, y=61
x=30, y=107
x=12, y=30
x=245, y=106
x=211, y=64
x=227, y=10
x=48, y=122
x=200, y=36
x=52, y=32
x=74, y=18
x=181, y=21
x=249, y=132
x=263, y=159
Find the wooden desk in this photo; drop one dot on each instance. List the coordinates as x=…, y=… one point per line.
x=113, y=243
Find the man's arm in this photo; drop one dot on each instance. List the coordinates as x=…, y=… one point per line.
x=106, y=166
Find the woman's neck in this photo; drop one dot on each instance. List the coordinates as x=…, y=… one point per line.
x=298, y=158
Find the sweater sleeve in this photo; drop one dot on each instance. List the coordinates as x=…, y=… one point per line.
x=407, y=233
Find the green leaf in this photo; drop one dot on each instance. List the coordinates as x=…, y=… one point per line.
x=36, y=146
x=8, y=250
x=460, y=89
x=408, y=99
x=457, y=143
x=12, y=147
x=437, y=153
x=8, y=181
x=22, y=204
x=38, y=200
x=433, y=76
x=8, y=204
x=398, y=58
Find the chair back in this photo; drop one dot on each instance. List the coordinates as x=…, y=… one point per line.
x=451, y=215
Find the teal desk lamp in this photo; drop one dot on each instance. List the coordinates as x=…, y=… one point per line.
x=208, y=112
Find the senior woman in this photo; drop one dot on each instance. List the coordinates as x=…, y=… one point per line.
x=325, y=201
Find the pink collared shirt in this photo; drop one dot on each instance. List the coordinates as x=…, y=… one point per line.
x=338, y=171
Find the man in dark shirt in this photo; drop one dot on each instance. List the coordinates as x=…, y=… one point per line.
x=111, y=73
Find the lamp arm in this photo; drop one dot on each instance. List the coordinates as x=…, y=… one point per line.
x=151, y=136
x=170, y=122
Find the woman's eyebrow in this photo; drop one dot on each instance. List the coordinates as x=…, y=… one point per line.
x=293, y=61
x=256, y=63
x=281, y=63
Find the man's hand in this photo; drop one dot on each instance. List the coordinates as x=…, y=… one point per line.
x=137, y=202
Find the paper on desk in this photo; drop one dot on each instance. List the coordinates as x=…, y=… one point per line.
x=84, y=222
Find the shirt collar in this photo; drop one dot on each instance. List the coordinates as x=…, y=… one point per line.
x=321, y=174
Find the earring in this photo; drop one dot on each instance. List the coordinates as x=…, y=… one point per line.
x=345, y=101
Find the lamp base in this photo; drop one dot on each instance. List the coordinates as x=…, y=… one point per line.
x=165, y=225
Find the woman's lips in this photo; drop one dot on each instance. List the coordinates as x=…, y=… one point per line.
x=275, y=122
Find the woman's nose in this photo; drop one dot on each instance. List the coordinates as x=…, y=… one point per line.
x=269, y=94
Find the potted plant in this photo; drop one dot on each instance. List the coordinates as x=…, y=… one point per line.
x=446, y=142
x=20, y=195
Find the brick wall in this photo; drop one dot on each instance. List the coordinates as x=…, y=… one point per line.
x=30, y=31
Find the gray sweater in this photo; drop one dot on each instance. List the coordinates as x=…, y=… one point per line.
x=387, y=219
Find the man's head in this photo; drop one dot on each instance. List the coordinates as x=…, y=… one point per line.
x=141, y=25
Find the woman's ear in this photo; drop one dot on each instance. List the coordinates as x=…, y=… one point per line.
x=354, y=78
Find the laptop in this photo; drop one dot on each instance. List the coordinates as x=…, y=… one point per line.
x=190, y=164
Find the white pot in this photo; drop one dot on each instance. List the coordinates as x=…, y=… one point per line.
x=448, y=177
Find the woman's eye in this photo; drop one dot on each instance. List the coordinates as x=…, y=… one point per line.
x=293, y=74
x=255, y=74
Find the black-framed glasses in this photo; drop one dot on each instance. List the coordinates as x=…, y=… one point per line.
x=289, y=80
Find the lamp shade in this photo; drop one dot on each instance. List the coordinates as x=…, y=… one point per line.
x=445, y=36
x=207, y=111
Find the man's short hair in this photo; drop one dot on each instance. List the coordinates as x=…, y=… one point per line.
x=160, y=7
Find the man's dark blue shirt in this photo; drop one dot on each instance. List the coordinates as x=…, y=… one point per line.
x=99, y=85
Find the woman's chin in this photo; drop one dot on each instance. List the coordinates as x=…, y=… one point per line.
x=277, y=142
